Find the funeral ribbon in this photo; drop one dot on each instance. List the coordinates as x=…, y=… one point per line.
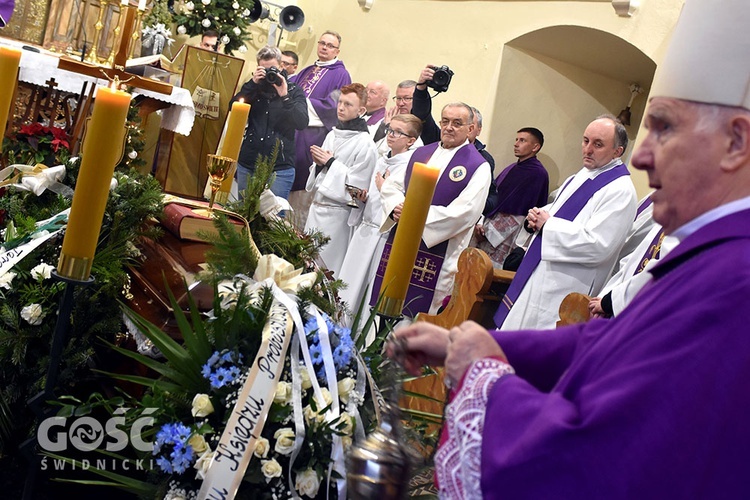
x=36, y=179
x=14, y=251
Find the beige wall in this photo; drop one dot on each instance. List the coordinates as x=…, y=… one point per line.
x=396, y=38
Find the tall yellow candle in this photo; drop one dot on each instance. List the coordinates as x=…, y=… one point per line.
x=102, y=148
x=9, y=60
x=233, y=139
x=408, y=237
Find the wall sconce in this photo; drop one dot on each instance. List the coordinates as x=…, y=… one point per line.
x=366, y=4
x=624, y=115
x=625, y=8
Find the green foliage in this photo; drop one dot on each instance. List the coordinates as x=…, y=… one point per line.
x=159, y=14
x=219, y=15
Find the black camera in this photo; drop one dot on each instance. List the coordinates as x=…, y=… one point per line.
x=441, y=79
x=273, y=75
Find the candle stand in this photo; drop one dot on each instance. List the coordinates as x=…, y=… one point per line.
x=37, y=403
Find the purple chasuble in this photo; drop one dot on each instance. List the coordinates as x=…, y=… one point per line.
x=520, y=187
x=568, y=211
x=651, y=404
x=429, y=261
x=317, y=82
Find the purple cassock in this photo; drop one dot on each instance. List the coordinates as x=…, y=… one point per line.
x=520, y=187
x=651, y=404
x=317, y=82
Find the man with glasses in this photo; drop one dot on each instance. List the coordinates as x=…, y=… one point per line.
x=402, y=106
x=289, y=62
x=458, y=201
x=366, y=246
x=318, y=81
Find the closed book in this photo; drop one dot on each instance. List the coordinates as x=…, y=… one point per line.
x=185, y=223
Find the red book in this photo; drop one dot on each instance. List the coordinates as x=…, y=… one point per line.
x=185, y=223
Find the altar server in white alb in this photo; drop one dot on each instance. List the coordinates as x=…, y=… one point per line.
x=346, y=158
x=578, y=237
x=457, y=204
x=366, y=246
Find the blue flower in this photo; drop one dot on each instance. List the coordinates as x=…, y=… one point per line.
x=165, y=465
x=342, y=356
x=182, y=457
x=316, y=354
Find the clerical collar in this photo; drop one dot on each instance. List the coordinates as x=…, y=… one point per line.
x=326, y=63
x=358, y=125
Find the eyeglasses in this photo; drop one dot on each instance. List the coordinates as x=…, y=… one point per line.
x=327, y=45
x=395, y=133
x=402, y=99
x=454, y=123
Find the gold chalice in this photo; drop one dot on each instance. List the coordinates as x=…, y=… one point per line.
x=353, y=192
x=219, y=168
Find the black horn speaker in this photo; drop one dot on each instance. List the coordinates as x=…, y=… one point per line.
x=259, y=11
x=291, y=18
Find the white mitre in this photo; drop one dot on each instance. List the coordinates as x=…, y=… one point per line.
x=708, y=59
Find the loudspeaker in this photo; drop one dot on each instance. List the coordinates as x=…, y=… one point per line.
x=291, y=18
x=259, y=11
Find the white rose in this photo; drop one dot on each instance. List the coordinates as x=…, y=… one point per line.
x=283, y=393
x=33, y=314
x=202, y=406
x=190, y=6
x=345, y=424
x=312, y=416
x=43, y=271
x=235, y=6
x=198, y=443
x=6, y=278
x=270, y=469
x=284, y=441
x=327, y=398
x=346, y=442
x=237, y=30
x=261, y=448
x=206, y=23
x=201, y=465
x=181, y=30
x=304, y=374
x=345, y=386
x=307, y=483
x=113, y=184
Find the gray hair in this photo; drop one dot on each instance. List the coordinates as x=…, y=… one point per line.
x=621, y=135
x=710, y=116
x=407, y=84
x=461, y=105
x=478, y=115
x=267, y=53
x=333, y=33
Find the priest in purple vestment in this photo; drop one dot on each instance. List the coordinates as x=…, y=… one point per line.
x=6, y=11
x=653, y=403
x=377, y=98
x=319, y=81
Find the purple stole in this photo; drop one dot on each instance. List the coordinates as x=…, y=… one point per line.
x=309, y=80
x=643, y=206
x=652, y=252
x=568, y=211
x=429, y=261
x=376, y=116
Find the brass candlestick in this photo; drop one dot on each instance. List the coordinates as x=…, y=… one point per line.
x=93, y=58
x=136, y=32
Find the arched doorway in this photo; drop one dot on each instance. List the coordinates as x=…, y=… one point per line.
x=558, y=79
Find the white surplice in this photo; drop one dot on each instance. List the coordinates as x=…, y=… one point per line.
x=366, y=246
x=577, y=255
x=355, y=156
x=454, y=222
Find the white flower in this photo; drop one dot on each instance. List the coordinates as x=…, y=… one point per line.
x=190, y=6
x=201, y=465
x=345, y=386
x=313, y=416
x=283, y=393
x=199, y=444
x=202, y=406
x=245, y=12
x=206, y=23
x=307, y=483
x=181, y=30
x=242, y=49
x=345, y=424
x=270, y=469
x=261, y=448
x=206, y=2
x=113, y=184
x=6, y=278
x=346, y=442
x=33, y=314
x=43, y=271
x=132, y=250
x=225, y=39
x=304, y=375
x=237, y=30
x=235, y=6
x=284, y=441
x=327, y=398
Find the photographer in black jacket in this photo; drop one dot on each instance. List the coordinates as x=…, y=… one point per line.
x=277, y=109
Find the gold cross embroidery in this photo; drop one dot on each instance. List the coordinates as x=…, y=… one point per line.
x=424, y=269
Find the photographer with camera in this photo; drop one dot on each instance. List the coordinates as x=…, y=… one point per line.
x=278, y=109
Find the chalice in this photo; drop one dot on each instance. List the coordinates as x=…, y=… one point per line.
x=353, y=192
x=219, y=168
